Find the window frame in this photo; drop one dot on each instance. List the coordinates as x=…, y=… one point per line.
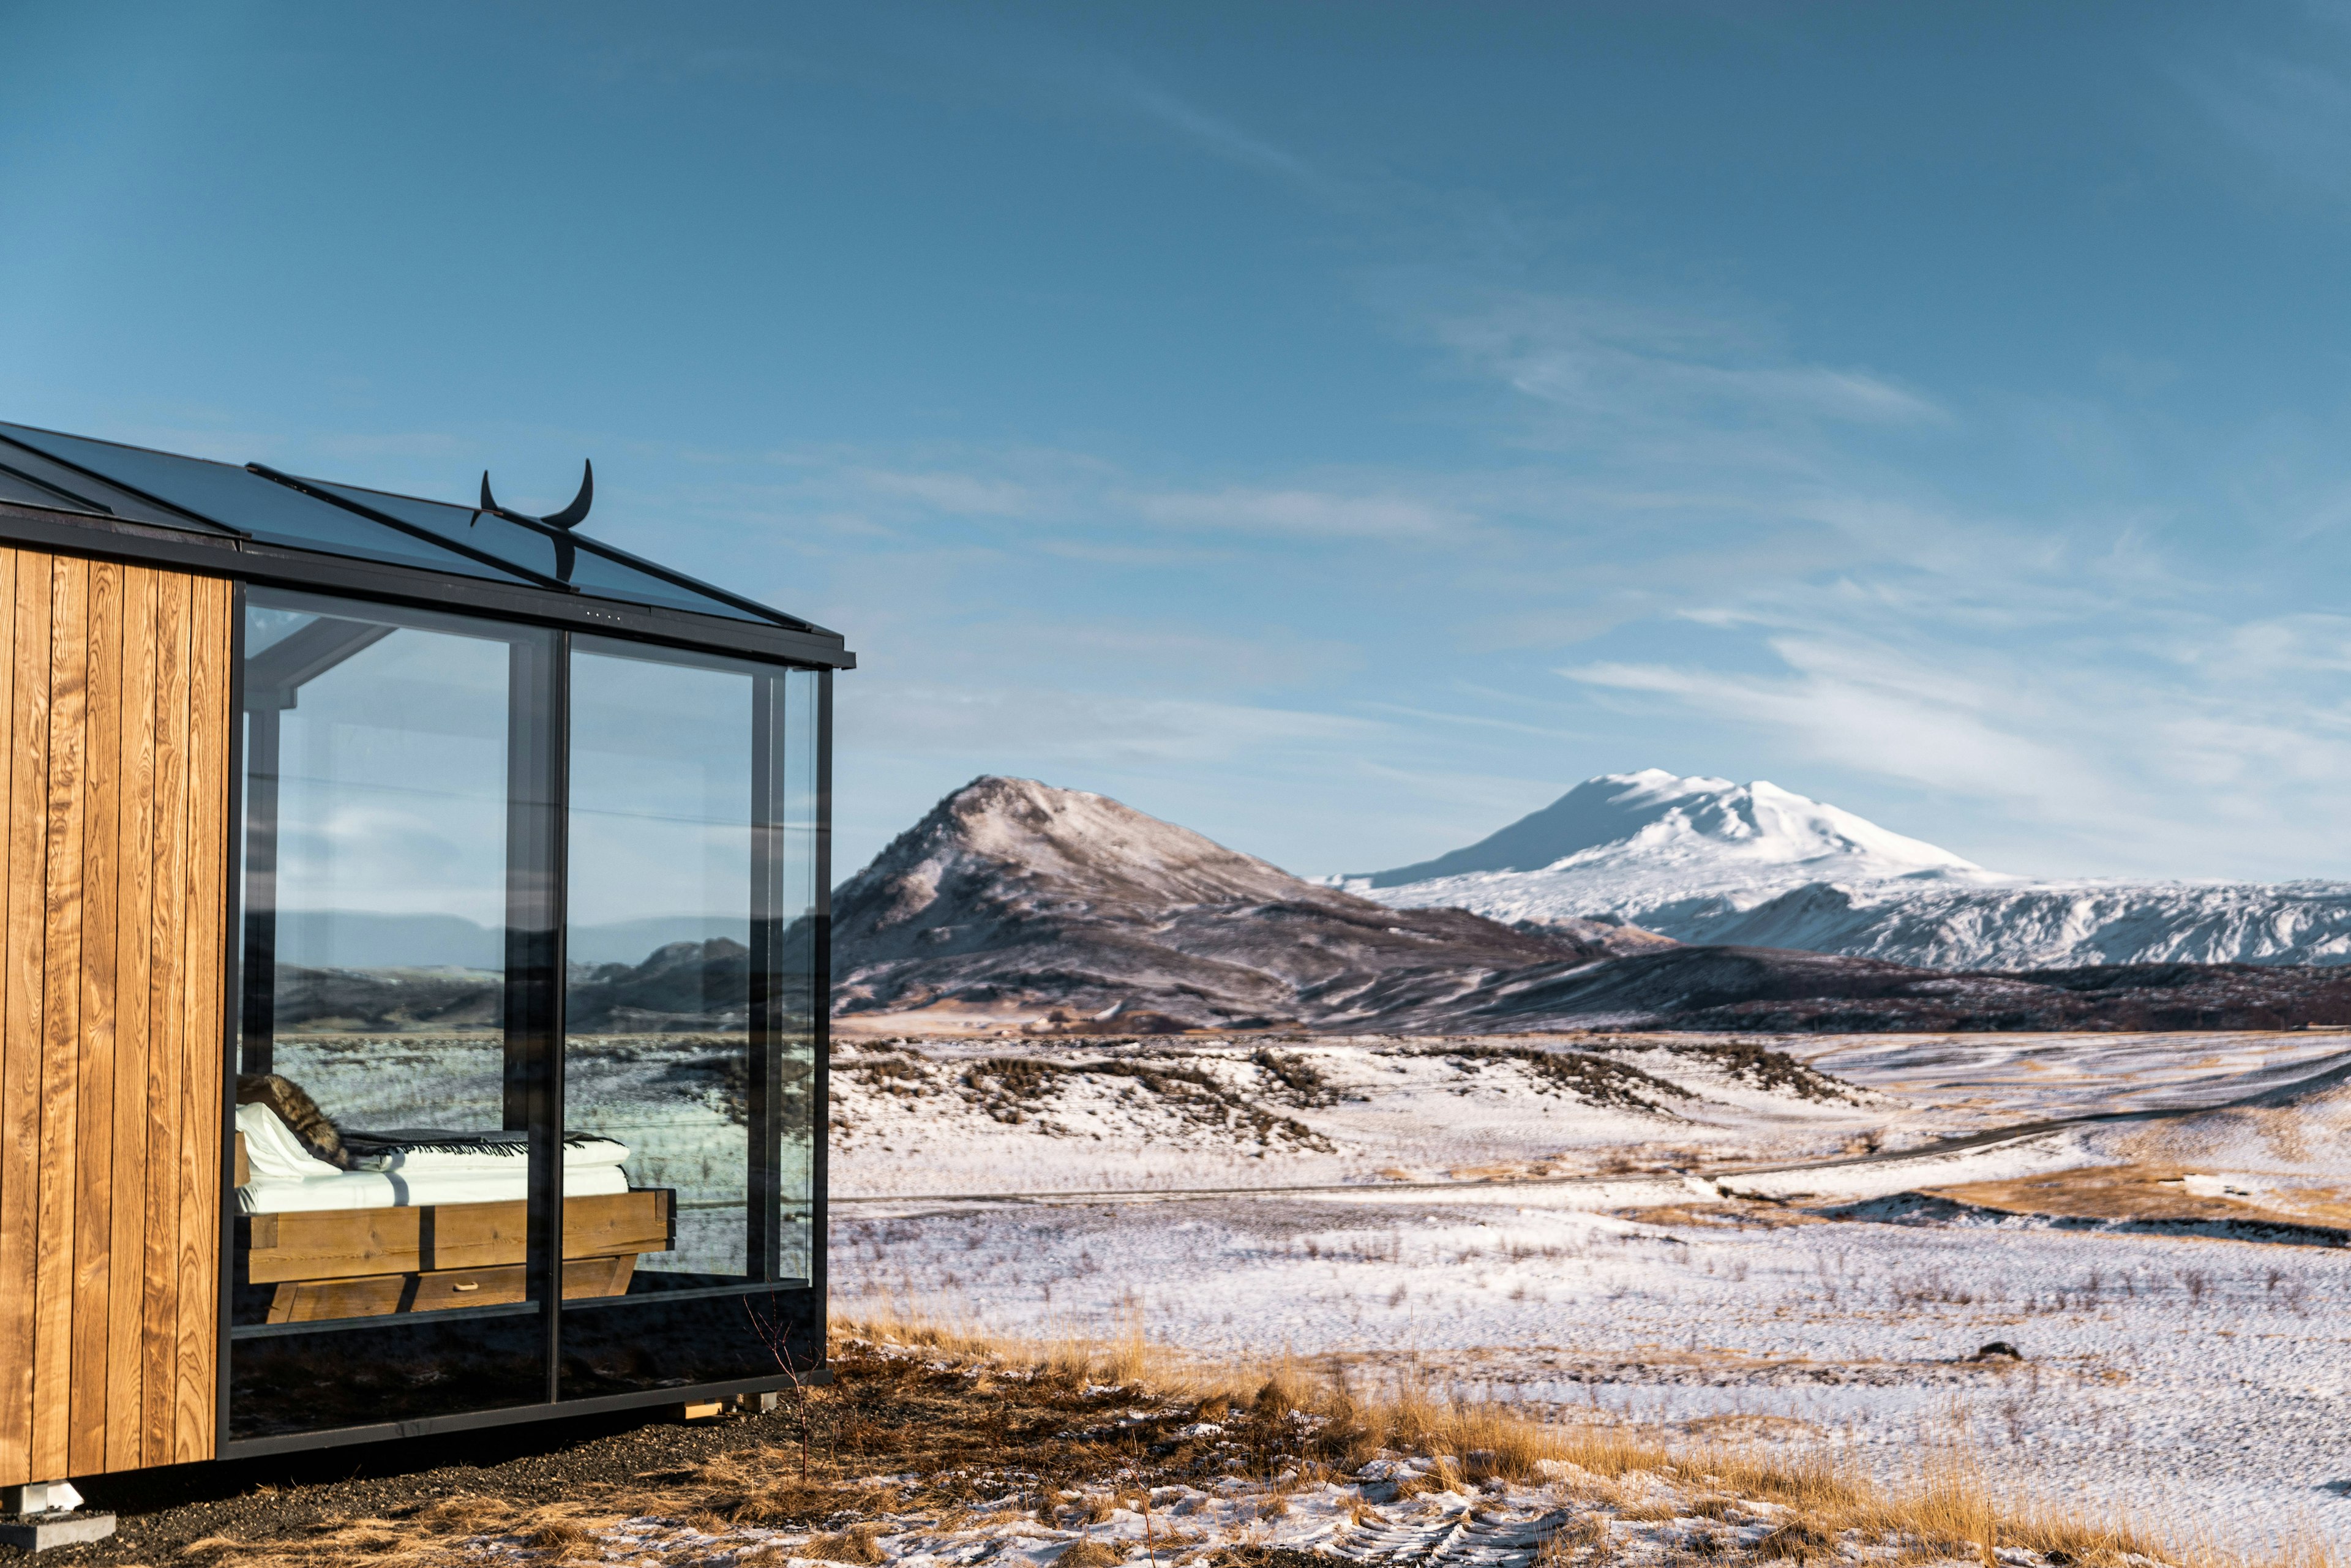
x=539, y=750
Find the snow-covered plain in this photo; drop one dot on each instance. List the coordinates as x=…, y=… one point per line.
x=1428, y=1210
x=1707, y=859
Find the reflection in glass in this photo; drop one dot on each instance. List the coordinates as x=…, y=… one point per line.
x=422, y=1156
x=688, y=1032
x=382, y=1145
x=660, y=940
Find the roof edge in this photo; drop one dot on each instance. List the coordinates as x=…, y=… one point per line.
x=145, y=544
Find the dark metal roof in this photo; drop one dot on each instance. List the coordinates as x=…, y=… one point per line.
x=275, y=522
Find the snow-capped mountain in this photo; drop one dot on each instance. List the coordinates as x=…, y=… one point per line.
x=1014, y=899
x=1707, y=860
x=1015, y=904
x=1651, y=838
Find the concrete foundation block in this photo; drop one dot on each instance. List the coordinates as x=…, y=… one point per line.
x=39, y=1531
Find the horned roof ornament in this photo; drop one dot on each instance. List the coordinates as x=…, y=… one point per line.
x=560, y=523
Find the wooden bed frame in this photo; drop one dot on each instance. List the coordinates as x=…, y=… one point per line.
x=370, y=1262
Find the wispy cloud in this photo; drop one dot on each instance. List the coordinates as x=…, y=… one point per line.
x=1611, y=362
x=1308, y=514
x=1055, y=725
x=1872, y=708
x=1211, y=133
x=2289, y=103
x=2294, y=113
x=970, y=494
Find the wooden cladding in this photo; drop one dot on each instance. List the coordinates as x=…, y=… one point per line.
x=114, y=702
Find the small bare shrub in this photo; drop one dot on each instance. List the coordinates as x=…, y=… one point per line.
x=857, y=1544
x=1798, y=1540
x=559, y=1536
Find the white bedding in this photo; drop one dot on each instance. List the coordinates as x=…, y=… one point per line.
x=287, y=1180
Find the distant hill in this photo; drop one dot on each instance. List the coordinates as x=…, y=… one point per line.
x=688, y=987
x=1013, y=897
x=1707, y=860
x=1775, y=991
x=1017, y=902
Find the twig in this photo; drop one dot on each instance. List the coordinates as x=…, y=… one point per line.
x=777, y=1337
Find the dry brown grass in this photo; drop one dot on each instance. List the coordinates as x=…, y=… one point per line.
x=560, y=1536
x=2147, y=1191
x=464, y=1515
x=1029, y=1411
x=860, y=1543
x=1950, y=1507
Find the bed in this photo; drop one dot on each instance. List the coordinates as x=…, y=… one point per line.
x=427, y=1220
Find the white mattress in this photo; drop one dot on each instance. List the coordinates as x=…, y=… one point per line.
x=390, y=1189
x=287, y=1180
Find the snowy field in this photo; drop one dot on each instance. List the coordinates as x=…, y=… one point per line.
x=1680, y=1237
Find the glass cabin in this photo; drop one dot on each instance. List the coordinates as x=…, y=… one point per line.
x=464, y=908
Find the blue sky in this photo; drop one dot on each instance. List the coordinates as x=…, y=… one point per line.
x=1336, y=428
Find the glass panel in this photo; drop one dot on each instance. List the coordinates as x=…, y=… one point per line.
x=263, y=507
x=482, y=530
x=24, y=492
x=25, y=464
x=618, y=580
x=624, y=1343
x=687, y=1039
x=590, y=572
x=384, y=1102
x=660, y=937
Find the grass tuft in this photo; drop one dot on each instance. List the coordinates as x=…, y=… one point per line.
x=860, y=1543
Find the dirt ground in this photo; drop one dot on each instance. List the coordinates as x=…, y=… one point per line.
x=944, y=1436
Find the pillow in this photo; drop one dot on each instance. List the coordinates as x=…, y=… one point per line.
x=272, y=1151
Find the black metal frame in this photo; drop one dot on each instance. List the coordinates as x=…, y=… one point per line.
x=763, y=1244
x=232, y=1020
x=112, y=538
x=684, y=1394
x=821, y=1015
x=538, y=702
x=536, y=872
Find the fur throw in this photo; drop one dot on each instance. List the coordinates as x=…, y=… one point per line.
x=300, y=1114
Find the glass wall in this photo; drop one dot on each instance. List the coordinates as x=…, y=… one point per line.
x=688, y=1032
x=379, y=1078
x=530, y=970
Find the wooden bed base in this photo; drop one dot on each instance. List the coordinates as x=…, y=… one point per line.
x=369, y=1262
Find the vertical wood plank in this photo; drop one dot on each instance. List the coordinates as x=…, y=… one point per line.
x=20, y=1079
x=205, y=834
x=166, y=998
x=94, y=1136
x=61, y=1018
x=134, y=870
x=114, y=750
